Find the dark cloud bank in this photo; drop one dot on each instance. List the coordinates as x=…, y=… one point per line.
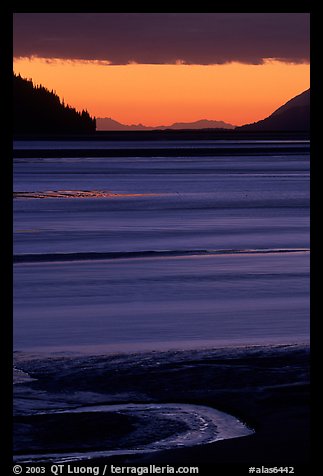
x=157, y=38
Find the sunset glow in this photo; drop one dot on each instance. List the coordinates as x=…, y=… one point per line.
x=163, y=94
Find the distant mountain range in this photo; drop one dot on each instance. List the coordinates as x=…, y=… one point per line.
x=294, y=115
x=108, y=124
x=40, y=111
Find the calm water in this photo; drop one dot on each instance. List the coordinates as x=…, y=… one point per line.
x=232, y=236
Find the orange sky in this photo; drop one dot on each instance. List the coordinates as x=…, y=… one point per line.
x=162, y=94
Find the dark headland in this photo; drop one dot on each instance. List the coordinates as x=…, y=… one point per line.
x=294, y=116
x=38, y=111
x=265, y=387
x=40, y=114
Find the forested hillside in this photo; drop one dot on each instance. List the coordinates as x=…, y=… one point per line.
x=40, y=111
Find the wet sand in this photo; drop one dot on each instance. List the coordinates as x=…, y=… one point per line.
x=265, y=387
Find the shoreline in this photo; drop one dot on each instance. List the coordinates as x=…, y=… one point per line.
x=223, y=346
x=265, y=387
x=160, y=152
x=183, y=134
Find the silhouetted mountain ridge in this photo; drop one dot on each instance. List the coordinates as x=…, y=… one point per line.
x=294, y=115
x=40, y=111
x=109, y=124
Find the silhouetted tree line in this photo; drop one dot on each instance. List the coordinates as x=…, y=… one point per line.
x=40, y=111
